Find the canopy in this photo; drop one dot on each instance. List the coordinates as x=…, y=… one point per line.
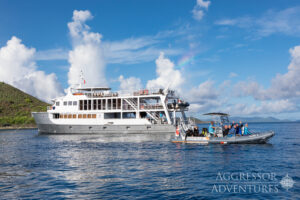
x=93, y=88
x=216, y=114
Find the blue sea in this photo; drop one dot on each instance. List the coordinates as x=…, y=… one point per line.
x=34, y=166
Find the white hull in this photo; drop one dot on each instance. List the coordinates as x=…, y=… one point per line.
x=47, y=125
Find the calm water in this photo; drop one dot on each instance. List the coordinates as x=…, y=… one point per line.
x=144, y=167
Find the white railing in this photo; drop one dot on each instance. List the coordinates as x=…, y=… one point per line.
x=145, y=106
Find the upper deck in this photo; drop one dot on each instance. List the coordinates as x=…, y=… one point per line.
x=152, y=104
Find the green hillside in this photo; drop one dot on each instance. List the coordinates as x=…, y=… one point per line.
x=16, y=107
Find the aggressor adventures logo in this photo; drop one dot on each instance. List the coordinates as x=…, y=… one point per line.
x=240, y=182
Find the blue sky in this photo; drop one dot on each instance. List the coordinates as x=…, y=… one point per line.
x=229, y=53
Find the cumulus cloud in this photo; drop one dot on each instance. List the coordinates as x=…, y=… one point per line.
x=232, y=75
x=283, y=86
x=87, y=54
x=199, y=8
x=167, y=75
x=19, y=69
x=204, y=97
x=283, y=21
x=130, y=84
x=264, y=107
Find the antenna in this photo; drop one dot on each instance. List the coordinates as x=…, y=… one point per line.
x=82, y=80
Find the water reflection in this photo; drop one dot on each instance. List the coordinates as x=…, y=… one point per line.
x=131, y=166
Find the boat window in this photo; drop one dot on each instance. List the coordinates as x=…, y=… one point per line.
x=80, y=116
x=80, y=104
x=74, y=103
x=129, y=115
x=84, y=115
x=95, y=104
x=114, y=104
x=85, y=104
x=109, y=104
x=61, y=116
x=93, y=115
x=69, y=116
x=143, y=114
x=55, y=116
x=57, y=103
x=89, y=104
x=112, y=115
x=65, y=103
x=103, y=104
x=99, y=104
x=89, y=116
x=70, y=103
x=74, y=116
x=65, y=116
x=119, y=104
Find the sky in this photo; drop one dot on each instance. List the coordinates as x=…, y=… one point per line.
x=239, y=57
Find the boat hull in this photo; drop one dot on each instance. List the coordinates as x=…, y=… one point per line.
x=104, y=129
x=258, y=138
x=47, y=126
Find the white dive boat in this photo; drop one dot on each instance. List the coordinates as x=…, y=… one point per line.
x=99, y=110
x=190, y=134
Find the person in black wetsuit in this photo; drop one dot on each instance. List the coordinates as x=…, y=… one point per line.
x=237, y=130
x=196, y=131
x=226, y=130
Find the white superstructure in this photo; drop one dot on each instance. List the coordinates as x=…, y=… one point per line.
x=93, y=110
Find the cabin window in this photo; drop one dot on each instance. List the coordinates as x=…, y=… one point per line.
x=95, y=104
x=112, y=115
x=89, y=104
x=89, y=116
x=74, y=116
x=93, y=115
x=84, y=115
x=103, y=104
x=118, y=103
x=65, y=103
x=114, y=104
x=85, y=104
x=129, y=115
x=65, y=116
x=80, y=116
x=57, y=103
x=70, y=103
x=99, y=104
x=74, y=103
x=80, y=104
x=55, y=116
x=69, y=116
x=61, y=116
x=109, y=104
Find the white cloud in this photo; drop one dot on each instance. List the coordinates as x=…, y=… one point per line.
x=130, y=84
x=283, y=86
x=52, y=54
x=232, y=75
x=167, y=75
x=198, y=10
x=87, y=54
x=203, y=4
x=204, y=97
x=131, y=56
x=284, y=22
x=19, y=69
x=264, y=107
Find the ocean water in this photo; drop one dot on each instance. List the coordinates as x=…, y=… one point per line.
x=36, y=166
